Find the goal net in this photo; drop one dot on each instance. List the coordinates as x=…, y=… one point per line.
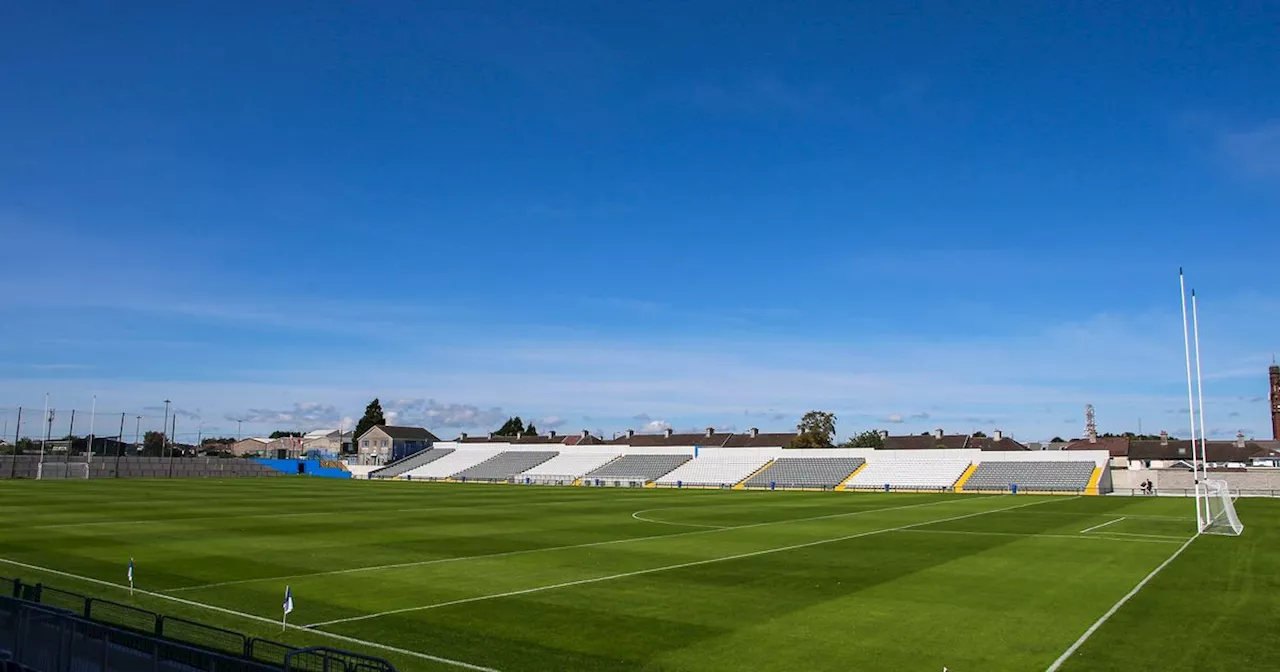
x=46, y=470
x=1220, y=509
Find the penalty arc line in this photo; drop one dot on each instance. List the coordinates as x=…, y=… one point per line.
x=593, y=544
x=641, y=518
x=665, y=568
x=1099, y=527
x=1116, y=607
x=254, y=617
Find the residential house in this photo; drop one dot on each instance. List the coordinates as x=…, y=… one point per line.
x=383, y=444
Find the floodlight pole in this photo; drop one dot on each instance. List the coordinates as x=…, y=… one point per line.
x=1191, y=400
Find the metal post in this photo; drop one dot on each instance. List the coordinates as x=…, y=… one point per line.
x=1191, y=400
x=119, y=445
x=71, y=433
x=164, y=428
x=1204, y=445
x=48, y=419
x=93, y=414
x=17, y=433
x=173, y=437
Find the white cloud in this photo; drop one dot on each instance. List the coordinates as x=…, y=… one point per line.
x=307, y=415
x=551, y=422
x=656, y=426
x=432, y=414
x=894, y=418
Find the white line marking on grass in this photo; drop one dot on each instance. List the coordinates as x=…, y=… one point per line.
x=592, y=544
x=639, y=517
x=1045, y=536
x=664, y=568
x=1098, y=527
x=253, y=617
x=1149, y=536
x=346, y=512
x=1116, y=607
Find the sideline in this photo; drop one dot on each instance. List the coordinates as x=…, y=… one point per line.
x=664, y=568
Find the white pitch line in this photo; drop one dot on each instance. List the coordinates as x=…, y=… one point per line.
x=1098, y=527
x=346, y=512
x=1149, y=536
x=639, y=517
x=253, y=617
x=1045, y=536
x=1116, y=607
x=625, y=540
x=665, y=568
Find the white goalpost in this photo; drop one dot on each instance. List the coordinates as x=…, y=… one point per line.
x=1215, y=508
x=1220, y=510
x=61, y=470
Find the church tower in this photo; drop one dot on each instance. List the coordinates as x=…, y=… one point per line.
x=1275, y=401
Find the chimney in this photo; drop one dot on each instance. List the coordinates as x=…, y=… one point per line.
x=998, y=436
x=585, y=433
x=711, y=431
x=754, y=432
x=667, y=432
x=937, y=434
x=1164, y=438
x=462, y=436
x=1239, y=439
x=631, y=433
x=884, y=433
x=551, y=434
x=490, y=436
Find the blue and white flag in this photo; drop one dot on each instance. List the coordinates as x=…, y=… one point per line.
x=288, y=601
x=130, y=573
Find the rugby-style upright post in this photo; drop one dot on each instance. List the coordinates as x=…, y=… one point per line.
x=1191, y=400
x=1202, y=480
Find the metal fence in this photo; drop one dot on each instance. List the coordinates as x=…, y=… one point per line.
x=54, y=630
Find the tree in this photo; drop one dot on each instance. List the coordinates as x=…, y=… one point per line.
x=514, y=426
x=280, y=434
x=815, y=430
x=153, y=443
x=979, y=435
x=1057, y=439
x=372, y=417
x=868, y=439
x=531, y=430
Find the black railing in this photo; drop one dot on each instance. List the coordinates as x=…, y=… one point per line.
x=36, y=617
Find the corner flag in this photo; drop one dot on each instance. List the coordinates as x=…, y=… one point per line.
x=288, y=607
x=130, y=575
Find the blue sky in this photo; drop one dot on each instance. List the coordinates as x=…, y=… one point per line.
x=955, y=215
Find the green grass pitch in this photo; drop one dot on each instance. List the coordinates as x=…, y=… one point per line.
x=519, y=579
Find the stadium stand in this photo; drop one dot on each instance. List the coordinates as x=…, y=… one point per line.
x=568, y=467
x=714, y=470
x=1027, y=475
x=448, y=465
x=635, y=468
x=805, y=472
x=505, y=465
x=909, y=474
x=409, y=463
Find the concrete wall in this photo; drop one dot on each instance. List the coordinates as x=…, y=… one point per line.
x=1260, y=479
